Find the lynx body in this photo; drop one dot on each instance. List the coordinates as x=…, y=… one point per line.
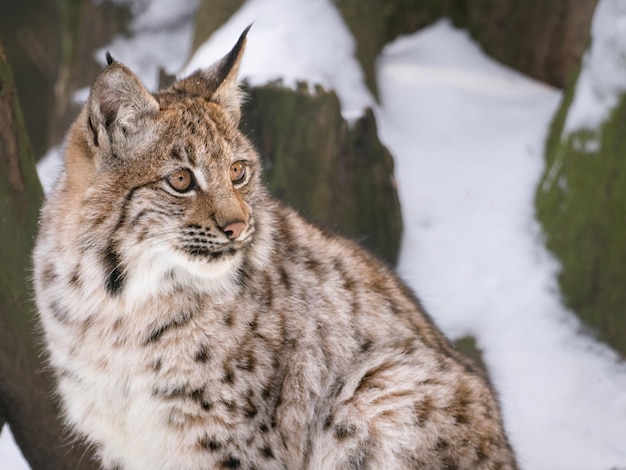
x=194, y=322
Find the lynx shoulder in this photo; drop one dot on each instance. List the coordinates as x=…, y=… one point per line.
x=194, y=322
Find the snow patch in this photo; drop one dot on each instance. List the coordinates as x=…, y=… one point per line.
x=49, y=168
x=468, y=138
x=602, y=78
x=161, y=35
x=11, y=457
x=292, y=41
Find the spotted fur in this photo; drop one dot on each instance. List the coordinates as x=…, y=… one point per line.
x=194, y=322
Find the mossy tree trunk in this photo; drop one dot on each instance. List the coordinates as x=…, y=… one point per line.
x=581, y=203
x=374, y=23
x=542, y=38
x=210, y=15
x=26, y=402
x=51, y=47
x=336, y=174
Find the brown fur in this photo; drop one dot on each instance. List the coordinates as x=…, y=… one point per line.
x=178, y=345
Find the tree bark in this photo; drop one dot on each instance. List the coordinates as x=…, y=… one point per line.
x=581, y=204
x=210, y=15
x=542, y=38
x=26, y=399
x=337, y=175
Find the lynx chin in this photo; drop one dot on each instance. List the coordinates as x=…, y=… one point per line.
x=194, y=322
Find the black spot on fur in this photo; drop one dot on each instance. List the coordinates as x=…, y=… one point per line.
x=328, y=421
x=267, y=452
x=210, y=444
x=178, y=321
x=176, y=154
x=344, y=431
x=284, y=278
x=460, y=417
x=202, y=355
x=115, y=278
x=75, y=280
x=229, y=405
x=481, y=456
x=155, y=335
x=229, y=376
x=176, y=391
x=336, y=388
x=250, y=409
x=442, y=444
x=422, y=411
x=231, y=462
x=246, y=363
x=449, y=464
x=197, y=395
x=366, y=345
x=118, y=324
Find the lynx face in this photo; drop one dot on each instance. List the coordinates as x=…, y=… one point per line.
x=167, y=179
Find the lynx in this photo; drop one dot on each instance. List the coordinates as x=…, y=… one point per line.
x=194, y=322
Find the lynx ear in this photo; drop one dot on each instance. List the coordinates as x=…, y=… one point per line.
x=219, y=83
x=116, y=105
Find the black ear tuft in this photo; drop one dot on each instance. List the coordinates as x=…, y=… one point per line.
x=233, y=57
x=110, y=58
x=218, y=83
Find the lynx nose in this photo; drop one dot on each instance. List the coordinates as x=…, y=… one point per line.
x=234, y=229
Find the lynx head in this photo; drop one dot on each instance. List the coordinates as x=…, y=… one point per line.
x=163, y=182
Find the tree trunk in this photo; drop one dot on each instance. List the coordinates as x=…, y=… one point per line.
x=542, y=38
x=335, y=174
x=26, y=402
x=581, y=204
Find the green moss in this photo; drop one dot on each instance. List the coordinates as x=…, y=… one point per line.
x=20, y=198
x=467, y=345
x=337, y=175
x=581, y=202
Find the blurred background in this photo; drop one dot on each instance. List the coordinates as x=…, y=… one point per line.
x=479, y=146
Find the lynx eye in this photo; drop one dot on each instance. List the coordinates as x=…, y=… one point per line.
x=180, y=180
x=238, y=172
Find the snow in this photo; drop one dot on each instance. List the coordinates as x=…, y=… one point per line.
x=161, y=37
x=49, y=167
x=293, y=41
x=11, y=457
x=467, y=135
x=603, y=76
